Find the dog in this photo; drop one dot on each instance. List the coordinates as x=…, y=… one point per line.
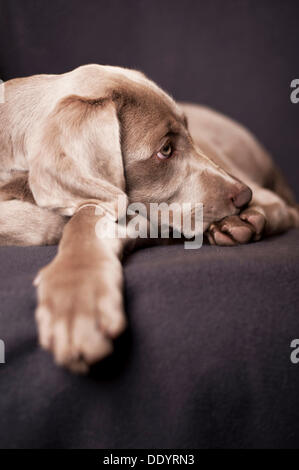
x=78, y=141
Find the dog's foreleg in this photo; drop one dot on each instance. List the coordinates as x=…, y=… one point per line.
x=25, y=224
x=80, y=295
x=279, y=215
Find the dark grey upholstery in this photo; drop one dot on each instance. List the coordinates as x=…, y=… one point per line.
x=206, y=359
x=205, y=362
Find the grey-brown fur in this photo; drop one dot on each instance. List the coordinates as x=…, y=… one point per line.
x=91, y=135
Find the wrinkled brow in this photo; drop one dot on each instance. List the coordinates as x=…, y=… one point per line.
x=175, y=126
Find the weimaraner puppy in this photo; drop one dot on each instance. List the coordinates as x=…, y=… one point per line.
x=75, y=142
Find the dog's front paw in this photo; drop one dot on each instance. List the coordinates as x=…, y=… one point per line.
x=238, y=229
x=80, y=312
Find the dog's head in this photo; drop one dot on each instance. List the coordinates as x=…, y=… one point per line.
x=117, y=132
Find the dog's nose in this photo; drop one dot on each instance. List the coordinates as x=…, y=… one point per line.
x=243, y=197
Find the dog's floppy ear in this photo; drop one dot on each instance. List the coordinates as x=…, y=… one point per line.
x=77, y=156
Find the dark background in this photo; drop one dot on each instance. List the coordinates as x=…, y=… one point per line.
x=238, y=56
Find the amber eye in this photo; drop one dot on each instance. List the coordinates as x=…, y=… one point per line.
x=165, y=152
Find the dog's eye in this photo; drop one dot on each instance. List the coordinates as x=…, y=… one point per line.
x=165, y=152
